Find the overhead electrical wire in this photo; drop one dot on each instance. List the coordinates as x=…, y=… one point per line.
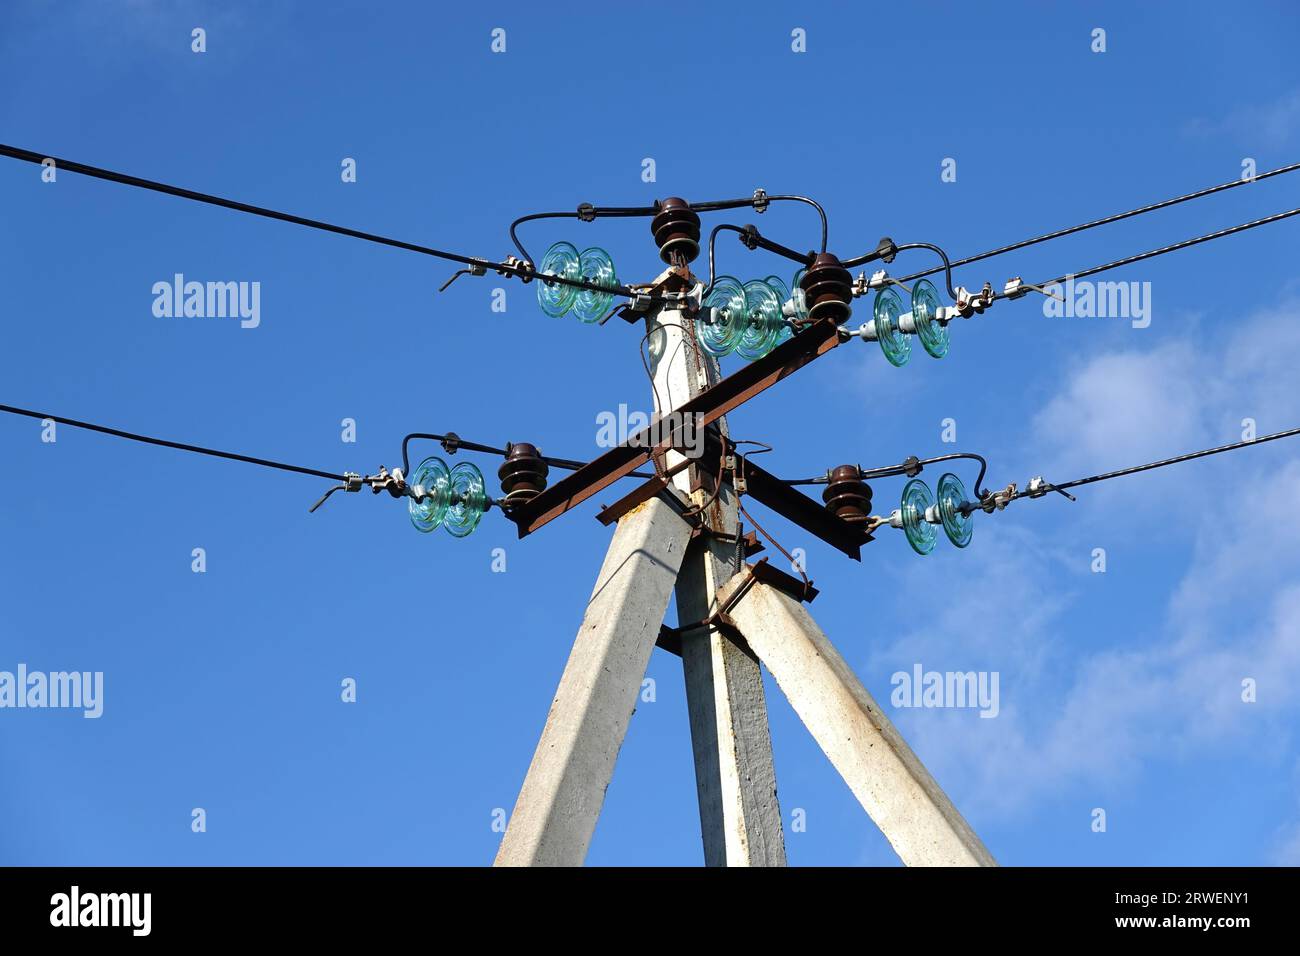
x=1186, y=243
x=450, y=441
x=180, y=446
x=109, y=175
x=1117, y=217
x=516, y=269
x=749, y=235
x=1190, y=456
x=910, y=467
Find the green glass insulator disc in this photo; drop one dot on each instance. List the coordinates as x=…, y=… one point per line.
x=596, y=266
x=468, y=499
x=783, y=294
x=952, y=495
x=762, y=321
x=560, y=260
x=727, y=301
x=430, y=485
x=925, y=309
x=893, y=341
x=921, y=535
x=796, y=293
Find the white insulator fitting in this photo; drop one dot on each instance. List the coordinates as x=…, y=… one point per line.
x=867, y=330
x=695, y=297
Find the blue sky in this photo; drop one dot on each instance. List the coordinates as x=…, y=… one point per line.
x=1119, y=690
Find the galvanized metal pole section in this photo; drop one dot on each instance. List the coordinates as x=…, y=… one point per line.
x=888, y=779
x=560, y=800
x=740, y=817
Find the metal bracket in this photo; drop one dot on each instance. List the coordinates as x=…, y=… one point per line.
x=392, y=482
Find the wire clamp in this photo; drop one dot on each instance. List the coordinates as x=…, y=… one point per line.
x=1038, y=487
x=761, y=202
x=477, y=267
x=522, y=268
x=351, y=482
x=391, y=482
x=973, y=303
x=640, y=302
x=879, y=279
x=998, y=500
x=586, y=212
x=1015, y=288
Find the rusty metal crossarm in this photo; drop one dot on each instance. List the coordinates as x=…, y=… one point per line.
x=710, y=405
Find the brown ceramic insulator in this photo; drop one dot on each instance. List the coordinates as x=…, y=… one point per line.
x=828, y=289
x=523, y=473
x=676, y=230
x=847, y=495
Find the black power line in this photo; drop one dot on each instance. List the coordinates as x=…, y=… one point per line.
x=68, y=165
x=1025, y=243
x=1159, y=464
x=1129, y=260
x=180, y=446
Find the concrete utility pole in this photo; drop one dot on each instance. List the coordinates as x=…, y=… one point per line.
x=740, y=816
x=681, y=531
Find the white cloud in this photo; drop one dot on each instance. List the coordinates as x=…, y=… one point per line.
x=1074, y=714
x=1271, y=123
x=1123, y=407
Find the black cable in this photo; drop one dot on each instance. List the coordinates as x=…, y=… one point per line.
x=1161, y=251
x=452, y=442
x=1160, y=464
x=180, y=446
x=596, y=212
x=1163, y=204
x=946, y=268
x=751, y=238
x=903, y=468
x=68, y=165
x=722, y=204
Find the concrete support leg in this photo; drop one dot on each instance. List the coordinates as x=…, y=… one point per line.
x=740, y=816
x=889, y=781
x=556, y=812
